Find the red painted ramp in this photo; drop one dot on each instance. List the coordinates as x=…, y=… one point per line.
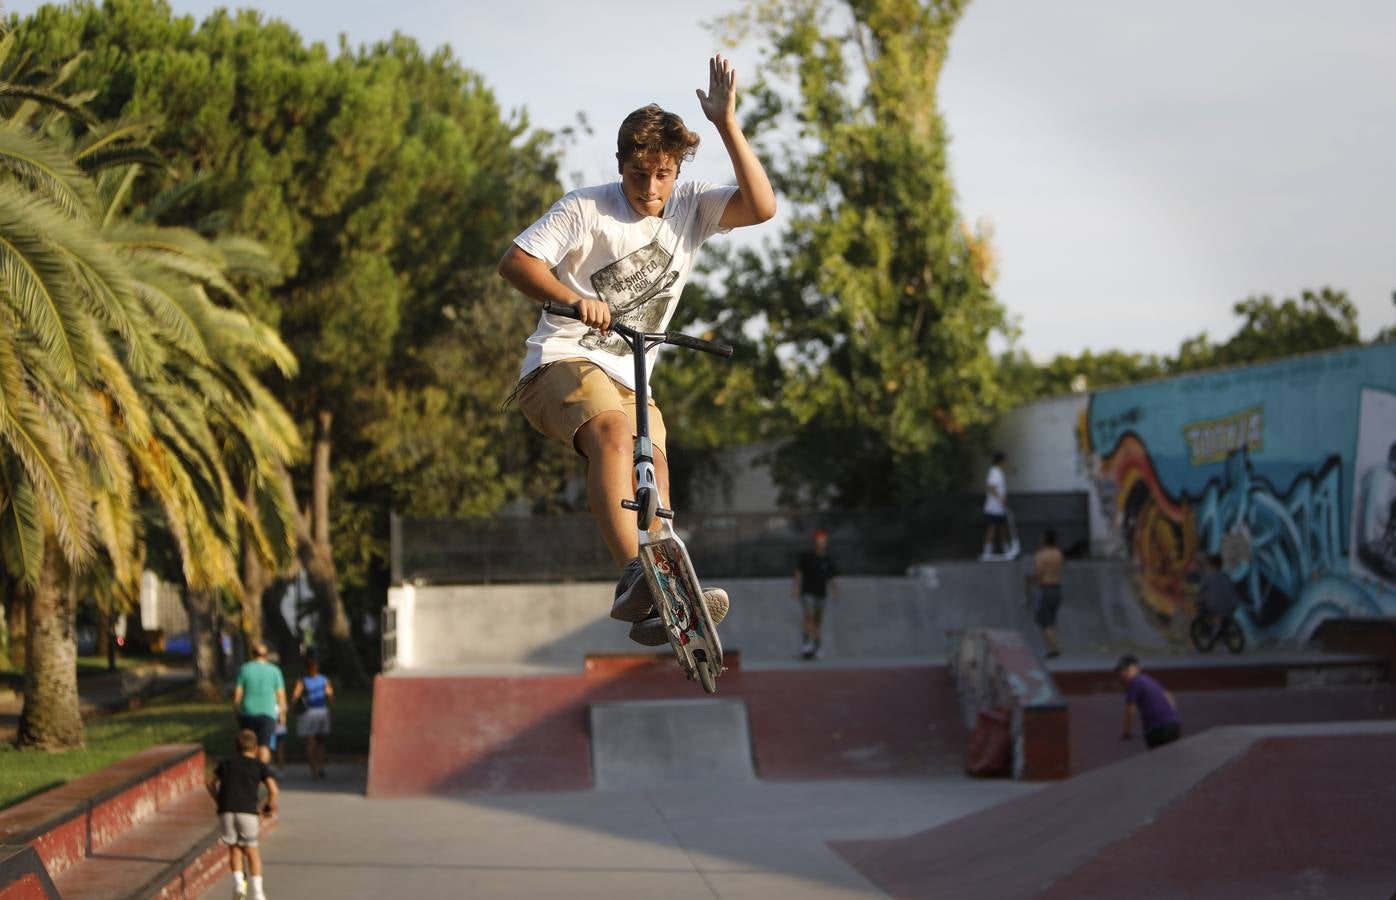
x=436, y=735
x=1236, y=812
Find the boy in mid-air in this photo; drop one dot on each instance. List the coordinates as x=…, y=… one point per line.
x=235, y=784
x=622, y=252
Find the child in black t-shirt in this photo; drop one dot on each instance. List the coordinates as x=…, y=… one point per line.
x=235, y=784
x=814, y=581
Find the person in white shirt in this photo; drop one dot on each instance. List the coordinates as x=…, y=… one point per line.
x=622, y=252
x=995, y=508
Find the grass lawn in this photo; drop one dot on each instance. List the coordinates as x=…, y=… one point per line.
x=173, y=719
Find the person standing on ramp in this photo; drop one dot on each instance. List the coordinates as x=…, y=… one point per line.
x=814, y=581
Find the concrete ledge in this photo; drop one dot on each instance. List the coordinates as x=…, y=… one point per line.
x=651, y=743
x=67, y=823
x=611, y=663
x=1374, y=636
x=23, y=876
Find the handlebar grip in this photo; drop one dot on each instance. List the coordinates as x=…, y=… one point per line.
x=562, y=309
x=716, y=348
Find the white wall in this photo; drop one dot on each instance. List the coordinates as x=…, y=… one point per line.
x=1044, y=454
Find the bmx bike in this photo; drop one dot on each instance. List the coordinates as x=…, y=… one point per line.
x=673, y=583
x=1205, y=631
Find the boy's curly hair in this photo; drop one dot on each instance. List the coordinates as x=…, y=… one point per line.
x=650, y=131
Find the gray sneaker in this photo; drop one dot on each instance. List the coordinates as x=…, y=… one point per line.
x=633, y=600
x=650, y=631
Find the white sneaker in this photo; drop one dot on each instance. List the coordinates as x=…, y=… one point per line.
x=240, y=892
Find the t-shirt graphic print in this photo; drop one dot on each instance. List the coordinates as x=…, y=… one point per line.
x=600, y=248
x=638, y=291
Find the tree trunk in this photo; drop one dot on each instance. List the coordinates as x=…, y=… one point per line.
x=16, y=621
x=51, y=718
x=255, y=580
x=316, y=557
x=198, y=605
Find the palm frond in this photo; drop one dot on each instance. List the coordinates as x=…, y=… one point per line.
x=43, y=455
x=104, y=135
x=175, y=309
x=21, y=524
x=47, y=169
x=247, y=258
x=33, y=96
x=121, y=155
x=242, y=336
x=177, y=249
x=168, y=199
x=36, y=279
x=7, y=43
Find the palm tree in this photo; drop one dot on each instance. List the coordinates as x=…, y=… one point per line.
x=118, y=369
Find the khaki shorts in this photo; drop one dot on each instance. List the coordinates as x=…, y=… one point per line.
x=240, y=829
x=563, y=396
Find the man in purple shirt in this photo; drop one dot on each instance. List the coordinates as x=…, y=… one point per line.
x=1158, y=714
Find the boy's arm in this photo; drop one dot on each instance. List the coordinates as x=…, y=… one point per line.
x=1129, y=721
x=212, y=784
x=272, y=793
x=281, y=705
x=237, y=700
x=755, y=200
x=534, y=278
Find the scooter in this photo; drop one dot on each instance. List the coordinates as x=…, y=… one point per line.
x=1012, y=549
x=678, y=595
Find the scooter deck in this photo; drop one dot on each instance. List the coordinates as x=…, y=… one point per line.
x=679, y=599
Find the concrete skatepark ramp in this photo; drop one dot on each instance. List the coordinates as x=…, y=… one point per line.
x=652, y=743
x=873, y=618
x=1256, y=811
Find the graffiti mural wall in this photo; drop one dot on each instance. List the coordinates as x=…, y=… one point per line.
x=1286, y=470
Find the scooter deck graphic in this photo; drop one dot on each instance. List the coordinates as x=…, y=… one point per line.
x=674, y=584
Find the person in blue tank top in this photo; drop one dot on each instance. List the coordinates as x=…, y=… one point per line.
x=312, y=697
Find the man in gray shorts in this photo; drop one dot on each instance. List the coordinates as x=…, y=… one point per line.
x=814, y=579
x=235, y=784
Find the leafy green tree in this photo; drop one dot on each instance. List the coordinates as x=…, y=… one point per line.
x=377, y=176
x=877, y=301
x=116, y=369
x=1064, y=373
x=1317, y=320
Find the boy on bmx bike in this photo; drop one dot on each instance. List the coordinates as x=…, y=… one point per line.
x=620, y=253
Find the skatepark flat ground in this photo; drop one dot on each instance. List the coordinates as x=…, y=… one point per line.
x=764, y=841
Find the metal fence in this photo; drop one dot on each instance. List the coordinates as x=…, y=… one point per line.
x=731, y=545
x=388, y=659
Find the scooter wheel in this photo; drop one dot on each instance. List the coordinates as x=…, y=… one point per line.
x=705, y=672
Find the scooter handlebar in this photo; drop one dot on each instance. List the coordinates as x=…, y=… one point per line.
x=717, y=348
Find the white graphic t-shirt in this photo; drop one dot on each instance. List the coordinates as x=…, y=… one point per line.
x=994, y=505
x=601, y=249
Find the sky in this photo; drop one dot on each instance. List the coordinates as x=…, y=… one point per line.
x=1143, y=166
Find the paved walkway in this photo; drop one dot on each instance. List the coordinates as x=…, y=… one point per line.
x=765, y=840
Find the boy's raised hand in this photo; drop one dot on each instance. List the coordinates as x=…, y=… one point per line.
x=720, y=102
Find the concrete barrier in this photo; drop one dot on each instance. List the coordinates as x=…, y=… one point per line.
x=652, y=743
x=994, y=669
x=442, y=626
